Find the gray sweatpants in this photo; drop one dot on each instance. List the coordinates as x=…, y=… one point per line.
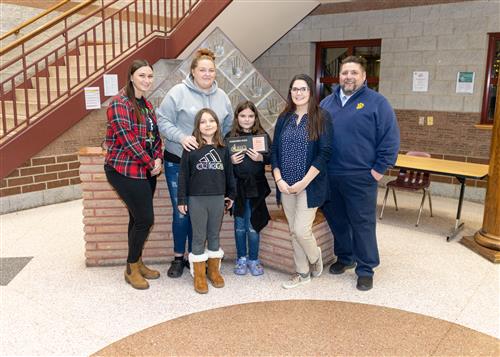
x=206, y=214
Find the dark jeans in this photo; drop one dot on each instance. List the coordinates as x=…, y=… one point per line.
x=181, y=224
x=138, y=197
x=243, y=230
x=351, y=215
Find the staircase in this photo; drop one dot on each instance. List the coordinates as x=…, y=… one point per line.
x=41, y=91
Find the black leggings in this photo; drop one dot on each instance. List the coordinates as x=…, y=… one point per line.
x=138, y=196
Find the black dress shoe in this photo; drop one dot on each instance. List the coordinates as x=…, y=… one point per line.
x=175, y=270
x=340, y=268
x=364, y=283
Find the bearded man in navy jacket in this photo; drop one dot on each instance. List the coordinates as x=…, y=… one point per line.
x=365, y=145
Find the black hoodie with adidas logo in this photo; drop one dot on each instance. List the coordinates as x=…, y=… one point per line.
x=206, y=171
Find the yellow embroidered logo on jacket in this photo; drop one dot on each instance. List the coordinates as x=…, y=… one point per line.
x=360, y=106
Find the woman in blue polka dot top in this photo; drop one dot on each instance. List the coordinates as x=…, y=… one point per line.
x=300, y=152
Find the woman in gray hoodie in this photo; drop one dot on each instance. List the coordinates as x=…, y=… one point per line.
x=176, y=123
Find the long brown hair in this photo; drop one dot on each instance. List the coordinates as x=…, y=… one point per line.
x=217, y=139
x=129, y=88
x=200, y=54
x=236, y=130
x=316, y=121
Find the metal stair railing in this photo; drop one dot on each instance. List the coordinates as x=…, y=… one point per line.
x=43, y=72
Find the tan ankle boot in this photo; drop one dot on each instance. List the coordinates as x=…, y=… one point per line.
x=146, y=272
x=200, y=277
x=133, y=277
x=213, y=272
x=198, y=268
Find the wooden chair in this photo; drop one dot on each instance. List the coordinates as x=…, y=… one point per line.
x=410, y=180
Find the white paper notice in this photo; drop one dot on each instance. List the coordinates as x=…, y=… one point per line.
x=465, y=82
x=92, y=98
x=110, y=84
x=420, y=81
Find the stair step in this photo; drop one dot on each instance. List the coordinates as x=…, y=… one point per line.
x=52, y=83
x=73, y=71
x=99, y=49
x=9, y=123
x=81, y=61
x=32, y=96
x=21, y=109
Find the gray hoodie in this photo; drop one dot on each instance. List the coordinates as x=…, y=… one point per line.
x=177, y=111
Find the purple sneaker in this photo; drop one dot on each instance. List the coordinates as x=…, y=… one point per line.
x=241, y=266
x=255, y=267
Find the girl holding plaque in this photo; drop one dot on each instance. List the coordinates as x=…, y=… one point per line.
x=250, y=210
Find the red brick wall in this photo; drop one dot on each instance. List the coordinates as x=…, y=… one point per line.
x=105, y=221
x=57, y=164
x=41, y=173
x=453, y=136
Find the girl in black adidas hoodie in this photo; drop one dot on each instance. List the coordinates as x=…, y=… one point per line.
x=206, y=186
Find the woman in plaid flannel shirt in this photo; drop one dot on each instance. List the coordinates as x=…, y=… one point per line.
x=133, y=161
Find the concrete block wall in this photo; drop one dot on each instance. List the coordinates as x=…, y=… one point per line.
x=442, y=39
x=105, y=221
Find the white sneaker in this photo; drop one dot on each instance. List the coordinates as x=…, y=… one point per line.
x=296, y=280
x=317, y=268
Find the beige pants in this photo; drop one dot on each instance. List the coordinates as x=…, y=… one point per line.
x=300, y=220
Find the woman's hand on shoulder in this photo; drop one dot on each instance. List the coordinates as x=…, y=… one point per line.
x=237, y=158
x=254, y=155
x=189, y=143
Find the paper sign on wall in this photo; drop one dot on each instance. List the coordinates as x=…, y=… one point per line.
x=465, y=82
x=420, y=81
x=92, y=98
x=110, y=84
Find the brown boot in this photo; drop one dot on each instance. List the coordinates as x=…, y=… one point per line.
x=133, y=277
x=146, y=272
x=213, y=272
x=198, y=267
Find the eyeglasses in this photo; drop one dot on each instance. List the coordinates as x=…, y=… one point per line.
x=295, y=90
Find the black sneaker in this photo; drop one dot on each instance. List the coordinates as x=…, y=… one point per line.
x=176, y=268
x=365, y=283
x=340, y=268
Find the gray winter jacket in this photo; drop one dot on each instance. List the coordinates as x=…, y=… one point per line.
x=179, y=107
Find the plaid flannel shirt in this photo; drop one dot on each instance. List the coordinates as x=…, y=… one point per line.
x=126, y=140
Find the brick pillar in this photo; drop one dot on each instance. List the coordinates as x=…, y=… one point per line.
x=105, y=219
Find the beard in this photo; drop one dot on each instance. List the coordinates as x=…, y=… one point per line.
x=352, y=88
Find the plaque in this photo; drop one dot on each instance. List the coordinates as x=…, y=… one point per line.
x=242, y=143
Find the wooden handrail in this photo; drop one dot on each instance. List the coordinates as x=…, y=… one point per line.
x=46, y=26
x=18, y=28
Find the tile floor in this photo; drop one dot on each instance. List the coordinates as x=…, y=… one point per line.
x=57, y=306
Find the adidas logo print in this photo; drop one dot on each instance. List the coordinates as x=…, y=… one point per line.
x=211, y=161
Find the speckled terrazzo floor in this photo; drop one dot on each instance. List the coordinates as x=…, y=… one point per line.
x=57, y=306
